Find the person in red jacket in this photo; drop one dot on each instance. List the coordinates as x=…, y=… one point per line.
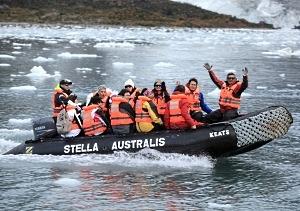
x=177, y=114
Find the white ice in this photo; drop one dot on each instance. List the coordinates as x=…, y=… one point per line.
x=22, y=44
x=5, y=65
x=20, y=121
x=38, y=72
x=67, y=182
x=164, y=65
x=41, y=59
x=5, y=56
x=67, y=55
x=122, y=65
x=23, y=88
x=114, y=45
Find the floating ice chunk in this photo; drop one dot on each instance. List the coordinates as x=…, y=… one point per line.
x=261, y=87
x=132, y=76
x=104, y=74
x=67, y=182
x=43, y=59
x=4, y=56
x=291, y=85
x=17, y=47
x=45, y=49
x=285, y=52
x=5, y=65
x=114, y=45
x=122, y=65
x=22, y=44
x=282, y=75
x=16, y=52
x=68, y=55
x=23, y=88
x=75, y=42
x=127, y=73
x=83, y=69
x=164, y=64
x=20, y=121
x=218, y=206
x=51, y=42
x=38, y=72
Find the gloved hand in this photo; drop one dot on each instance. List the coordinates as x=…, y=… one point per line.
x=207, y=66
x=245, y=71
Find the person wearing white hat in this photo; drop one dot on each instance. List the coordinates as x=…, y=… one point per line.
x=130, y=87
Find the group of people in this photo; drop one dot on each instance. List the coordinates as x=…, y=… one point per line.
x=144, y=110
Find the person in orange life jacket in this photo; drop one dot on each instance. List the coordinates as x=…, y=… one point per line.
x=196, y=99
x=62, y=96
x=129, y=87
x=146, y=116
x=94, y=120
x=122, y=115
x=230, y=95
x=177, y=114
x=161, y=96
x=130, y=100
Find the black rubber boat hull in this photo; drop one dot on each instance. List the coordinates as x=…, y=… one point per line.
x=217, y=140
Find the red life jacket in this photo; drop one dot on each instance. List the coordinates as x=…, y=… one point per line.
x=193, y=98
x=227, y=99
x=91, y=126
x=57, y=108
x=140, y=114
x=176, y=117
x=117, y=117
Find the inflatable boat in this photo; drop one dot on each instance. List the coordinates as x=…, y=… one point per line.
x=222, y=139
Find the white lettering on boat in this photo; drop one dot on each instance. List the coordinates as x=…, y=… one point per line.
x=219, y=133
x=138, y=144
x=80, y=148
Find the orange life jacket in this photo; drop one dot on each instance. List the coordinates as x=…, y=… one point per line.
x=193, y=98
x=92, y=127
x=160, y=104
x=117, y=117
x=226, y=97
x=57, y=109
x=175, y=112
x=140, y=114
x=74, y=124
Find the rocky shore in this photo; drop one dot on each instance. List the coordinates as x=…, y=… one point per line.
x=118, y=12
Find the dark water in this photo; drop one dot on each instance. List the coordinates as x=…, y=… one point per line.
x=265, y=179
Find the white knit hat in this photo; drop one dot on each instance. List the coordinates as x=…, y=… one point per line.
x=129, y=82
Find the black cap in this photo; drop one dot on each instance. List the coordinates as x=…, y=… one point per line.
x=65, y=81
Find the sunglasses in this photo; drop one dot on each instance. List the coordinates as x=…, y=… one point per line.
x=231, y=78
x=157, y=86
x=128, y=86
x=67, y=84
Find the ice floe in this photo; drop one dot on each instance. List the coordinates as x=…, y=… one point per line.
x=68, y=55
x=122, y=65
x=38, y=72
x=23, y=88
x=5, y=65
x=164, y=64
x=22, y=44
x=285, y=52
x=5, y=56
x=41, y=59
x=114, y=45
